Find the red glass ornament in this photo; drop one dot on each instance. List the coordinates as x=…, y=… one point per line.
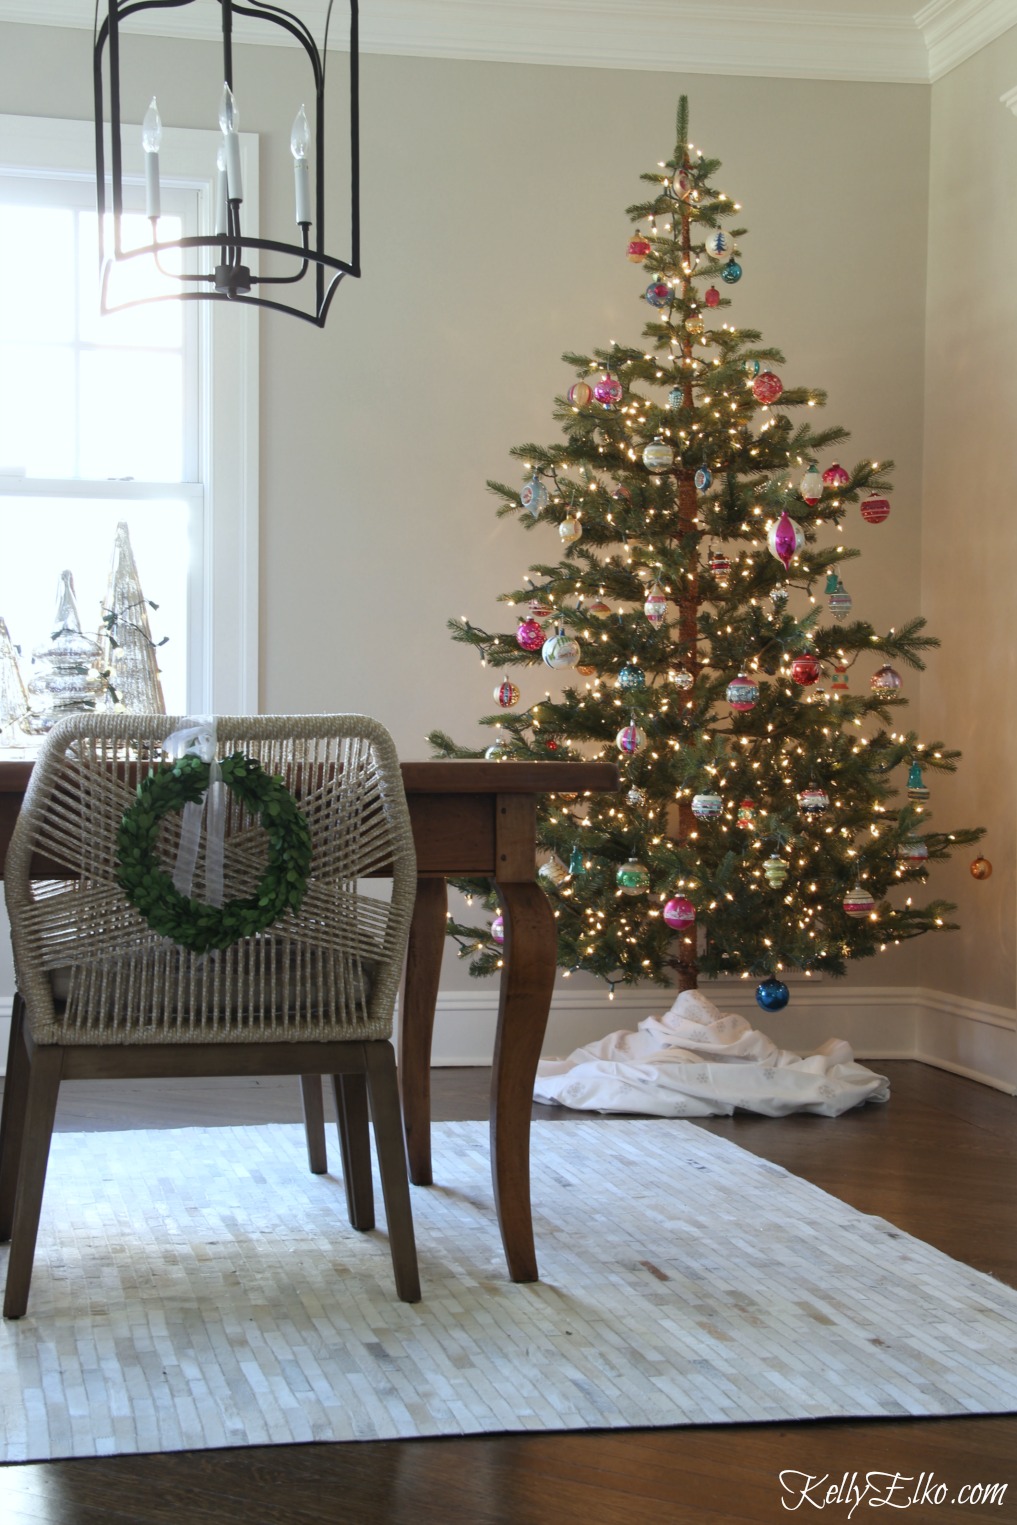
x=981, y=868
x=712, y=297
x=875, y=510
x=530, y=635
x=638, y=249
x=622, y=495
x=805, y=669
x=539, y=609
x=767, y=387
x=506, y=694
x=886, y=682
x=836, y=476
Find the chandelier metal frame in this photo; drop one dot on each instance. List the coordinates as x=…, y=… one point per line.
x=231, y=279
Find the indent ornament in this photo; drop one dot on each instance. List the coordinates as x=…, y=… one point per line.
x=533, y=496
x=703, y=478
x=608, y=390
x=658, y=293
x=530, y=635
x=785, y=539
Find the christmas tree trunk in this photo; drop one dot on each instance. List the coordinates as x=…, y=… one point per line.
x=772, y=819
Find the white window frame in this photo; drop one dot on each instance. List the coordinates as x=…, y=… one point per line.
x=223, y=631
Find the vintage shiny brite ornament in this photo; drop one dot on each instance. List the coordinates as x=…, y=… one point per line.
x=633, y=878
x=805, y=669
x=778, y=596
x=506, y=694
x=750, y=367
x=676, y=397
x=772, y=994
x=785, y=539
x=577, y=864
x=580, y=394
x=858, y=903
x=839, y=683
x=533, y=496
x=682, y=184
x=553, y=871
x=530, y=635
x=586, y=670
x=745, y=817
x=655, y=607
x=840, y=602
x=913, y=851
x=811, y=487
x=886, y=682
x=719, y=245
x=835, y=476
x=720, y=567
x=636, y=797
x=875, y=509
x=608, y=390
x=638, y=249
x=742, y=694
x=598, y=607
x=630, y=738
x=813, y=801
x=712, y=297
x=631, y=676
x=679, y=913
x=569, y=530
x=539, y=608
x=707, y=806
x=658, y=455
x=767, y=387
x=703, y=478
x=498, y=751
x=498, y=929
x=732, y=272
x=917, y=788
x=775, y=871
x=680, y=677
x=560, y=650
x=981, y=868
x=695, y=323
x=658, y=293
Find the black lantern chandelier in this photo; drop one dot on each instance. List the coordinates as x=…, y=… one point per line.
x=229, y=277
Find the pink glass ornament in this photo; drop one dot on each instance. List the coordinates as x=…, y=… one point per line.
x=630, y=738
x=679, y=913
x=608, y=390
x=886, y=682
x=785, y=539
x=767, y=387
x=655, y=607
x=638, y=249
x=712, y=297
x=742, y=694
x=530, y=635
x=858, y=902
x=498, y=929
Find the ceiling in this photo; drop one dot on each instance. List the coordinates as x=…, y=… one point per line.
x=890, y=40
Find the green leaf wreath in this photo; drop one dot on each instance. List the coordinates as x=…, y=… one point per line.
x=192, y=923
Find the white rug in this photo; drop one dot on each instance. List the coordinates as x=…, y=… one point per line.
x=199, y=1288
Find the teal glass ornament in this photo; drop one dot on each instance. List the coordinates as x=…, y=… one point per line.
x=772, y=994
x=675, y=397
x=731, y=272
x=917, y=787
x=576, y=863
x=631, y=676
x=633, y=878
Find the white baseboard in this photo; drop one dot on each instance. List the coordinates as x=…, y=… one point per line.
x=966, y=1037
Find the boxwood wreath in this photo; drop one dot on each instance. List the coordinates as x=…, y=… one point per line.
x=192, y=923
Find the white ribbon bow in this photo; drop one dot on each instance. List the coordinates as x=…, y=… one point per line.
x=201, y=741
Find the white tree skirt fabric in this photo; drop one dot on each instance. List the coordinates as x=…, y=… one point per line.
x=697, y=1061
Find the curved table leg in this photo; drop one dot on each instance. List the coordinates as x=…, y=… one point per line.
x=417, y=1001
x=527, y=980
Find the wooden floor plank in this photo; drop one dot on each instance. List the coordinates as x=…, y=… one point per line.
x=938, y=1162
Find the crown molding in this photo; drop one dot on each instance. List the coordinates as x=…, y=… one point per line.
x=955, y=29
x=857, y=42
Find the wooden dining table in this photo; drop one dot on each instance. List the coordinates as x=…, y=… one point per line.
x=470, y=820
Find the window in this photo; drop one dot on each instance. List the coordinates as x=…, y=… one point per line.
x=146, y=416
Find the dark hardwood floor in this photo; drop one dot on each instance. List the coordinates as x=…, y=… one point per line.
x=938, y=1161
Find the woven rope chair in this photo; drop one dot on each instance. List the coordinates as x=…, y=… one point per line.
x=101, y=995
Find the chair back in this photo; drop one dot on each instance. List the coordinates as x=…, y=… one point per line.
x=93, y=970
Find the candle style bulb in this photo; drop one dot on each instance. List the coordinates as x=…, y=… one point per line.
x=151, y=138
x=229, y=121
x=300, y=142
x=221, y=195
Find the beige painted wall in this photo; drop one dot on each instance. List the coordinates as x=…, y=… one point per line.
x=969, y=546
x=494, y=236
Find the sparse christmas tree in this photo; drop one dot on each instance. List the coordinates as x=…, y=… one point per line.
x=126, y=637
x=769, y=798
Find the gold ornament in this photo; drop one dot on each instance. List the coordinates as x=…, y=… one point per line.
x=981, y=868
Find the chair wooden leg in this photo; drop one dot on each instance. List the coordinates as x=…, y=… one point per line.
x=12, y=1119
x=390, y=1143
x=43, y=1088
x=314, y=1123
x=355, y=1143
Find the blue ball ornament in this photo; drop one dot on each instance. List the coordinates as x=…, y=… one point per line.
x=772, y=994
x=704, y=478
x=731, y=272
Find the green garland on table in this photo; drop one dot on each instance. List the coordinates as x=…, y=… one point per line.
x=192, y=923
